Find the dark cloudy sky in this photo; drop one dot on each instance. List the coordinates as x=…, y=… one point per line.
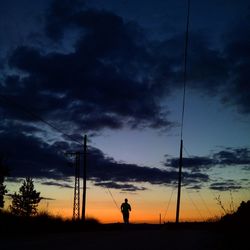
x=114, y=70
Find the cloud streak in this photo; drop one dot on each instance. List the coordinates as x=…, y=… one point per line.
x=223, y=158
x=32, y=157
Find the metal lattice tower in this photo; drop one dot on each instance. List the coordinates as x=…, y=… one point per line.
x=76, y=202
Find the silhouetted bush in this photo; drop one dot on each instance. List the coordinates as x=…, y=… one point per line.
x=42, y=223
x=4, y=171
x=240, y=218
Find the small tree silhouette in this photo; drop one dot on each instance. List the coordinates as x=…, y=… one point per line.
x=3, y=173
x=25, y=203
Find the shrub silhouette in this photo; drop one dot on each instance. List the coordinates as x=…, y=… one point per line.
x=240, y=217
x=3, y=173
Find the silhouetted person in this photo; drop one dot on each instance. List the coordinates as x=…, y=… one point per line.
x=125, y=208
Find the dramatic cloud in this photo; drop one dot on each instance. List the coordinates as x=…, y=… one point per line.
x=229, y=157
x=232, y=156
x=89, y=69
x=111, y=75
x=194, y=164
x=28, y=155
x=223, y=158
x=101, y=83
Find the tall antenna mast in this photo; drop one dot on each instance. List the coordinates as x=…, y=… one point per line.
x=182, y=118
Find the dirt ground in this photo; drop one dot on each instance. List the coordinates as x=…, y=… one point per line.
x=122, y=239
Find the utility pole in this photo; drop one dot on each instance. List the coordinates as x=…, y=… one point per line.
x=76, y=201
x=179, y=184
x=182, y=118
x=84, y=178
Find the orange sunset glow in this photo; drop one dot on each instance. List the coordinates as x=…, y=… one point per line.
x=151, y=207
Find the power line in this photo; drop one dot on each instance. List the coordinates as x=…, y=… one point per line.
x=185, y=70
x=182, y=119
x=113, y=198
x=204, y=203
x=185, y=149
x=37, y=117
x=194, y=205
x=168, y=203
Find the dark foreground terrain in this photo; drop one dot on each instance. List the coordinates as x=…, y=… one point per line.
x=130, y=237
x=44, y=232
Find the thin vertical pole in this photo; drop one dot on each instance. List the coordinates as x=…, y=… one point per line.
x=182, y=117
x=179, y=184
x=84, y=178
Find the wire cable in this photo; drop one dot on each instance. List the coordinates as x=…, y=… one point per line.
x=195, y=205
x=205, y=205
x=168, y=203
x=185, y=70
x=113, y=198
x=182, y=116
x=37, y=117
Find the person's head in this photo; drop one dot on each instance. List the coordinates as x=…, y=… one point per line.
x=126, y=200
